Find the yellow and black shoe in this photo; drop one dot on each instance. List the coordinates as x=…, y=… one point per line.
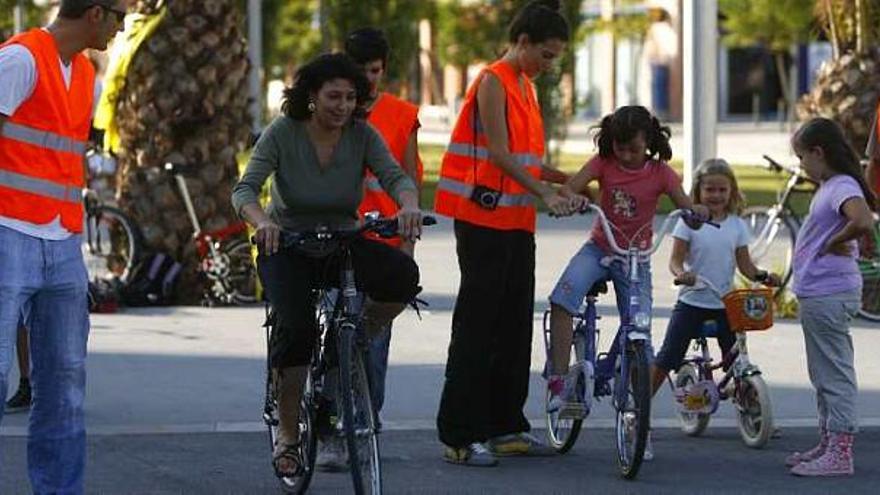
x=474, y=454
x=519, y=444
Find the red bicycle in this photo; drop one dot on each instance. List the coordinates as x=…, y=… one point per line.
x=225, y=254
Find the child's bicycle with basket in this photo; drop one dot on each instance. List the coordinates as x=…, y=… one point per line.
x=623, y=372
x=698, y=393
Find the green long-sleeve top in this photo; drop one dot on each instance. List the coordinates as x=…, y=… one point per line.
x=303, y=194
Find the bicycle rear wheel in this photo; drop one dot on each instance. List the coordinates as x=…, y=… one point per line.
x=308, y=437
x=111, y=244
x=869, y=266
x=240, y=280
x=562, y=433
x=359, y=422
x=754, y=411
x=772, y=246
x=633, y=406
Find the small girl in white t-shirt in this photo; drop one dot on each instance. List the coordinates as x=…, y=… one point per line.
x=713, y=254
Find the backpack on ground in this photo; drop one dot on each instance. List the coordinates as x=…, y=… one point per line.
x=152, y=282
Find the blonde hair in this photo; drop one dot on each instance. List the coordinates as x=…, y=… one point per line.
x=719, y=166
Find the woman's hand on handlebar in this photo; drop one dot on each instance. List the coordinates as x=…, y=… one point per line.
x=268, y=237
x=409, y=222
x=564, y=205
x=685, y=278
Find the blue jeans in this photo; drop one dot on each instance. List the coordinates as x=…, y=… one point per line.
x=586, y=268
x=47, y=280
x=378, y=367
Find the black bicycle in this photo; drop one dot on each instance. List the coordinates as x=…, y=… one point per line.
x=337, y=374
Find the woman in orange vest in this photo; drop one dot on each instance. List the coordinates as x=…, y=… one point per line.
x=490, y=176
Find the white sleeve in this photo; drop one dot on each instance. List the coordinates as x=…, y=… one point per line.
x=682, y=231
x=18, y=77
x=744, y=234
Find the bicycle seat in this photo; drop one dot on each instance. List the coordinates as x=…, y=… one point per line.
x=600, y=287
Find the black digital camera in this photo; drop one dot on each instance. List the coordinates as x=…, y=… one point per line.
x=485, y=197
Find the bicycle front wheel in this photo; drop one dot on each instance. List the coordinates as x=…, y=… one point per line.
x=633, y=404
x=308, y=437
x=772, y=246
x=754, y=411
x=359, y=422
x=692, y=424
x=111, y=244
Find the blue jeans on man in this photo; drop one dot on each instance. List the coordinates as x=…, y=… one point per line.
x=47, y=280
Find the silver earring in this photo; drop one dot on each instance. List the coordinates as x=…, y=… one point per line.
x=312, y=106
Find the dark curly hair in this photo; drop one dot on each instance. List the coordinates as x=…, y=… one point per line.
x=312, y=76
x=541, y=21
x=625, y=124
x=367, y=44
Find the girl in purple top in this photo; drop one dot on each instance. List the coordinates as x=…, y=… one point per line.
x=828, y=286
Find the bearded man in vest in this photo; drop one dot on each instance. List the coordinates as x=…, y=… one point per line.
x=397, y=121
x=489, y=179
x=46, y=102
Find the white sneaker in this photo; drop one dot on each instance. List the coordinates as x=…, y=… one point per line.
x=649, y=449
x=332, y=455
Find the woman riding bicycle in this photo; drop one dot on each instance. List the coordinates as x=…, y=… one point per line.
x=316, y=154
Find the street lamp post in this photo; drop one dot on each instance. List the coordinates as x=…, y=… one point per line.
x=700, y=33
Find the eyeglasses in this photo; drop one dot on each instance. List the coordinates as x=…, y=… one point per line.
x=120, y=14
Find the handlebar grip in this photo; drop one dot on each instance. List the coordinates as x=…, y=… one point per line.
x=429, y=220
x=773, y=164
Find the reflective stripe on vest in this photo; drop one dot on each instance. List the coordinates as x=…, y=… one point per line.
x=43, y=139
x=468, y=150
x=465, y=190
x=40, y=187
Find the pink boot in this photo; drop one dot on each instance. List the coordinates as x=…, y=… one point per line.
x=836, y=461
x=814, y=453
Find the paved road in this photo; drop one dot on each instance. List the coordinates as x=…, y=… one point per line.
x=237, y=463
x=187, y=384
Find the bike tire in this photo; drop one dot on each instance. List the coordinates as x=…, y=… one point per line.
x=562, y=434
x=633, y=412
x=754, y=411
x=308, y=439
x=692, y=425
x=359, y=425
x=241, y=280
x=776, y=252
x=869, y=266
x=112, y=244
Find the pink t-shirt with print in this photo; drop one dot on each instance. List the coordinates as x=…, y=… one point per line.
x=629, y=198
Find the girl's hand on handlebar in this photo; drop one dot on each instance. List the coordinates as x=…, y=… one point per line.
x=579, y=202
x=409, y=222
x=268, y=237
x=686, y=278
x=769, y=279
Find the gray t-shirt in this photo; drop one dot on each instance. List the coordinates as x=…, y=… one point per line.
x=303, y=194
x=712, y=255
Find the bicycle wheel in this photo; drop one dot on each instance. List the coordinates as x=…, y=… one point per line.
x=357, y=415
x=633, y=405
x=562, y=433
x=754, y=411
x=240, y=278
x=308, y=437
x=691, y=424
x=869, y=266
x=111, y=244
x=772, y=246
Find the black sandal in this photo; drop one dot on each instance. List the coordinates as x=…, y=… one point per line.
x=289, y=452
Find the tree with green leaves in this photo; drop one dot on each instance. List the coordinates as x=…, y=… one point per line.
x=776, y=25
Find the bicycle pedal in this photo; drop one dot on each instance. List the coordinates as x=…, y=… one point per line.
x=574, y=410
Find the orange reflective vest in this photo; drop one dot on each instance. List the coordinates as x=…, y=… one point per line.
x=466, y=164
x=43, y=143
x=395, y=120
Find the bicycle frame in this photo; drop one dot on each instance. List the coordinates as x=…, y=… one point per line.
x=781, y=208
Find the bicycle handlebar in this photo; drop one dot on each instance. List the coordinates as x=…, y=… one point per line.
x=775, y=166
x=686, y=214
x=384, y=227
